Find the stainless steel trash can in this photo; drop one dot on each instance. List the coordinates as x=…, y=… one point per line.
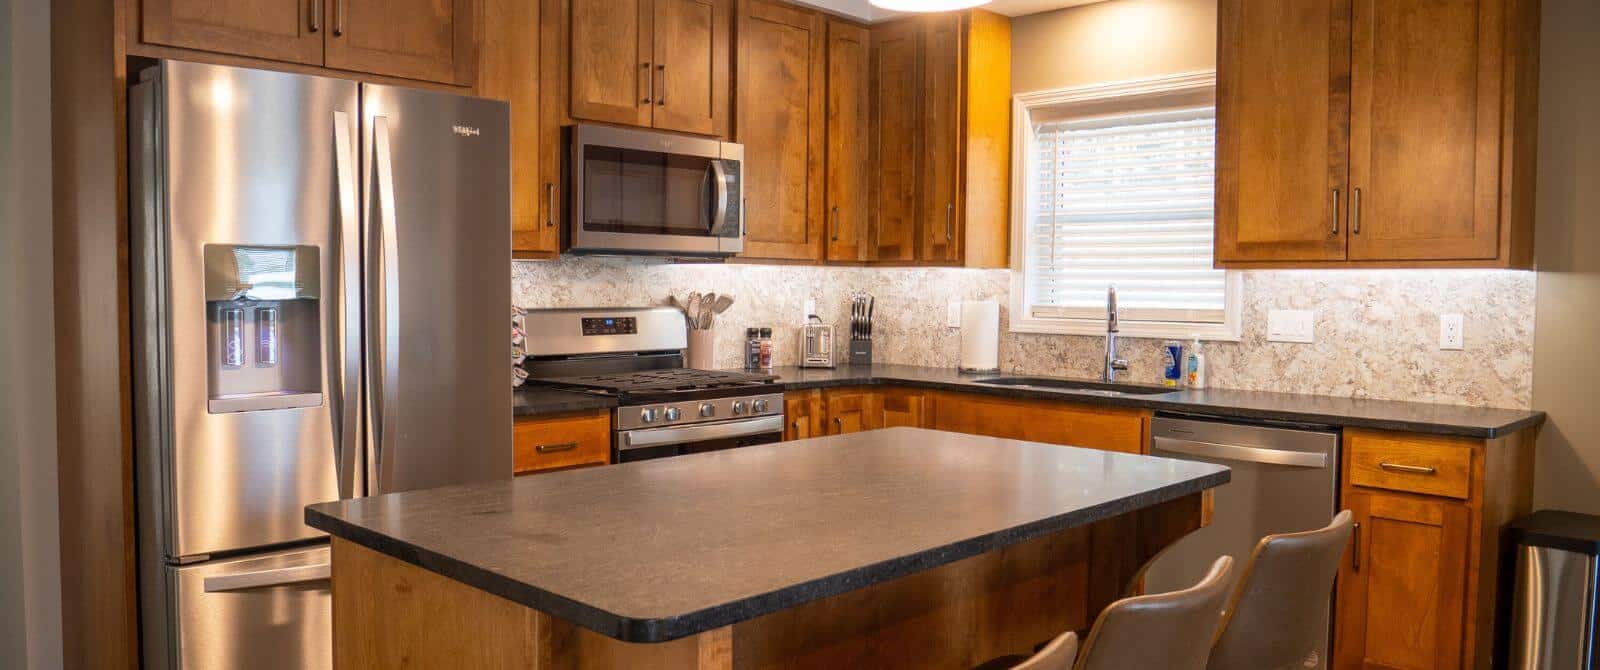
x=1554, y=606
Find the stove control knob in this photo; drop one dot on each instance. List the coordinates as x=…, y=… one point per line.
x=708, y=410
x=738, y=407
x=648, y=416
x=760, y=406
x=673, y=414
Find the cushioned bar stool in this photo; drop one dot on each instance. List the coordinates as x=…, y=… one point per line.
x=1170, y=631
x=1278, y=615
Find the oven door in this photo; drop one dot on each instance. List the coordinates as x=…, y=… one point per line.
x=648, y=443
x=646, y=192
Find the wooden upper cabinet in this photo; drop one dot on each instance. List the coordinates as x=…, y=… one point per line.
x=284, y=30
x=1402, y=594
x=692, y=52
x=652, y=63
x=1387, y=133
x=939, y=224
x=613, y=60
x=781, y=108
x=509, y=70
x=1283, y=113
x=1425, y=129
x=431, y=40
x=847, y=147
x=896, y=139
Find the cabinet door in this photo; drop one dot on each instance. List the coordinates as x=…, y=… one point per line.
x=691, y=61
x=905, y=407
x=431, y=40
x=849, y=151
x=286, y=30
x=939, y=220
x=613, y=65
x=1402, y=593
x=803, y=411
x=896, y=139
x=1283, y=126
x=561, y=442
x=554, y=57
x=852, y=411
x=510, y=71
x=1425, y=129
x=781, y=107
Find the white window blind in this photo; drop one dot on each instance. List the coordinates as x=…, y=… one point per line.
x=1124, y=199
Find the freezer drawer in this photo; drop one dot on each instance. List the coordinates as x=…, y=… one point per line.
x=272, y=610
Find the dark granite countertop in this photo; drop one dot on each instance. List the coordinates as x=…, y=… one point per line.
x=657, y=550
x=533, y=401
x=1415, y=417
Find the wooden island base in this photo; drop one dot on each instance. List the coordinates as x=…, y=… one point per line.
x=391, y=614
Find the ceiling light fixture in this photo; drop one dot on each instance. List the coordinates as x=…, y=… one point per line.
x=925, y=6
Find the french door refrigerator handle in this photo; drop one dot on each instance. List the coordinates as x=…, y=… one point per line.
x=347, y=398
x=382, y=410
x=240, y=581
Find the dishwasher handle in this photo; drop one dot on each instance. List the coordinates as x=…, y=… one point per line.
x=1235, y=452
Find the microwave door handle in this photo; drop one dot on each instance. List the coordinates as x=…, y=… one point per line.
x=347, y=390
x=719, y=217
x=385, y=394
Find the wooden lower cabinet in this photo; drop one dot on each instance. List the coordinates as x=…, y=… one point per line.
x=904, y=407
x=803, y=412
x=562, y=441
x=1402, y=593
x=852, y=410
x=1107, y=428
x=1419, y=588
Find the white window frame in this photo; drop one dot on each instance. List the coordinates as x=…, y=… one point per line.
x=1023, y=106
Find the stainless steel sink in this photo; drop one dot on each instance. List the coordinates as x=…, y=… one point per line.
x=1076, y=385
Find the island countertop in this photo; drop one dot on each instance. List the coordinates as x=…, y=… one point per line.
x=658, y=550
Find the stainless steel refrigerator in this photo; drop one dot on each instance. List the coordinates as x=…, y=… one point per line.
x=321, y=284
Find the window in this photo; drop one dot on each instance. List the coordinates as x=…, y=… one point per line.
x=1114, y=187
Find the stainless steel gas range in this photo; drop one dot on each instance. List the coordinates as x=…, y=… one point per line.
x=637, y=355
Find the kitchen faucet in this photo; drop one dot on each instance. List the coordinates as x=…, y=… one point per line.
x=1113, y=364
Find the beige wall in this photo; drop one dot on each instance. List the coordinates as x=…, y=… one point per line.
x=1112, y=41
x=1567, y=331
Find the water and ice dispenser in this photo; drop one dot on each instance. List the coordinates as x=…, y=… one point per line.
x=263, y=327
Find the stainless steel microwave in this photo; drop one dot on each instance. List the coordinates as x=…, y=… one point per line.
x=655, y=193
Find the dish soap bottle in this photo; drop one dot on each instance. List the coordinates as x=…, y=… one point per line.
x=1194, y=366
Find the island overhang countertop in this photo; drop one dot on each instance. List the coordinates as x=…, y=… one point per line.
x=663, y=549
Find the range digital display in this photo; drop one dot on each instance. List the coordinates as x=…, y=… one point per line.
x=620, y=325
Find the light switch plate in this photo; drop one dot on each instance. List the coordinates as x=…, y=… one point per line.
x=1291, y=325
x=1452, y=332
x=954, y=317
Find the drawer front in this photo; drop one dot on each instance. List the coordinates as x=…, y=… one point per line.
x=564, y=441
x=1431, y=466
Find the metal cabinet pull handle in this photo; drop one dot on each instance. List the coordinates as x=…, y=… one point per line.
x=836, y=224
x=1335, y=232
x=553, y=448
x=649, y=81
x=838, y=424
x=1355, y=212
x=795, y=426
x=1413, y=469
x=550, y=200
x=338, y=18
x=661, y=98
x=1355, y=547
x=949, y=221
x=316, y=16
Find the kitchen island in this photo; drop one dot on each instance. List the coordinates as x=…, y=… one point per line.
x=892, y=548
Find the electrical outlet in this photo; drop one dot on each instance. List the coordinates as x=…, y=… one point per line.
x=1452, y=332
x=811, y=308
x=953, y=319
x=1291, y=325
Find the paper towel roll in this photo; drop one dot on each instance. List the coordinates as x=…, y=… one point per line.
x=980, y=336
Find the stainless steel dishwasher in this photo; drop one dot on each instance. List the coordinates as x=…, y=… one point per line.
x=1285, y=479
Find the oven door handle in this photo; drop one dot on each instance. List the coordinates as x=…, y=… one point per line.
x=652, y=437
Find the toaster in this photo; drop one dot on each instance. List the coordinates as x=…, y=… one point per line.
x=816, y=345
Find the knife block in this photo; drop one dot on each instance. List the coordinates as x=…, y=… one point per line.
x=861, y=352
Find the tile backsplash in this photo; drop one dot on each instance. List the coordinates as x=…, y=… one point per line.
x=1376, y=331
